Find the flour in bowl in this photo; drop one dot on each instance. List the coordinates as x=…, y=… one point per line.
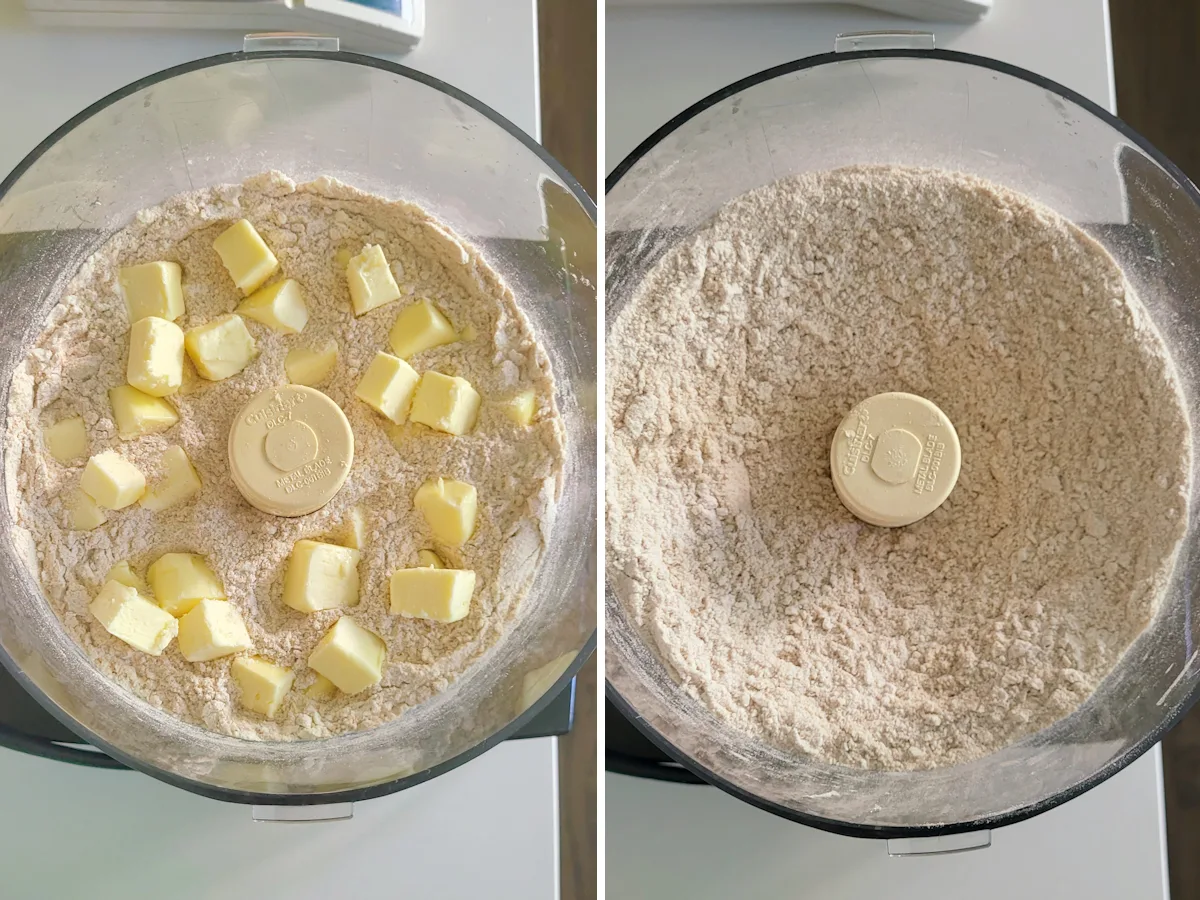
x=891, y=648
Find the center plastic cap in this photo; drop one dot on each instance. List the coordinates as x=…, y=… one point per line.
x=290, y=450
x=895, y=458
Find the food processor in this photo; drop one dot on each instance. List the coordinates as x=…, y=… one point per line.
x=299, y=105
x=891, y=99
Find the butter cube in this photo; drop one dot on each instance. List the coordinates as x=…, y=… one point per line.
x=263, y=684
x=387, y=386
x=279, y=306
x=420, y=326
x=127, y=615
x=155, y=364
x=354, y=532
x=213, y=628
x=124, y=573
x=138, y=413
x=445, y=404
x=306, y=366
x=181, y=580
x=153, y=289
x=321, y=689
x=85, y=514
x=181, y=482
x=349, y=656
x=321, y=576
x=541, y=679
x=370, y=279
x=442, y=595
x=427, y=558
x=221, y=348
x=112, y=481
x=66, y=439
x=246, y=256
x=520, y=408
x=449, y=509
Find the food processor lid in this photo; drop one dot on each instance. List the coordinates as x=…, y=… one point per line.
x=53, y=246
x=626, y=658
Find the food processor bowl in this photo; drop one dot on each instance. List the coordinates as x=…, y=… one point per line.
x=385, y=129
x=967, y=114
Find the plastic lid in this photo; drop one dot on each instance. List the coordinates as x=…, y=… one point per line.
x=895, y=458
x=290, y=450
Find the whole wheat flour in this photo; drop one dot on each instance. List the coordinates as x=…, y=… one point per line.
x=915, y=647
x=311, y=228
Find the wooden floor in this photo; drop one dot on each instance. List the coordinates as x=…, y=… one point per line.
x=567, y=41
x=1156, y=53
x=1156, y=46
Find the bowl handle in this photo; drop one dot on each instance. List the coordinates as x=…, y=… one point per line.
x=289, y=40
x=936, y=846
x=883, y=40
x=317, y=812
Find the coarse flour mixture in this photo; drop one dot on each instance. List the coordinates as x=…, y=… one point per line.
x=312, y=228
x=740, y=353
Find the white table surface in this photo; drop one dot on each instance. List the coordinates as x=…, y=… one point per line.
x=667, y=840
x=479, y=831
x=670, y=840
x=489, y=828
x=487, y=48
x=661, y=61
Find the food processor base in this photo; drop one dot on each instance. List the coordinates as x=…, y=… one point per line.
x=25, y=726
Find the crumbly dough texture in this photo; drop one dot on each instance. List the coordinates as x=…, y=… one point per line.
x=81, y=354
x=914, y=647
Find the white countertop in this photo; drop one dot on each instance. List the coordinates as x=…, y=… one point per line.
x=487, y=48
x=489, y=828
x=486, y=829
x=661, y=61
x=666, y=840
x=671, y=840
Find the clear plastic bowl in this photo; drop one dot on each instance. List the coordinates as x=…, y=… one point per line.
x=386, y=129
x=969, y=114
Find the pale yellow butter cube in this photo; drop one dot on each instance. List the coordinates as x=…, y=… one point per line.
x=441, y=595
x=429, y=559
x=349, y=656
x=370, y=279
x=246, y=255
x=279, y=306
x=263, y=684
x=138, y=413
x=85, y=514
x=127, y=615
x=321, y=576
x=182, y=482
x=221, y=348
x=67, y=439
x=421, y=326
x=308, y=366
x=321, y=689
x=387, y=386
x=214, y=628
x=449, y=509
x=520, y=408
x=112, y=481
x=155, y=364
x=541, y=679
x=354, y=531
x=445, y=403
x=124, y=573
x=181, y=580
x=153, y=289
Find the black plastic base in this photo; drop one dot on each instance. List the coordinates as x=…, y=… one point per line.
x=25, y=726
